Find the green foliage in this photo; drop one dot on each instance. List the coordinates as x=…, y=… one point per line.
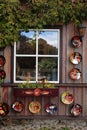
x=47, y=64
x=29, y=85
x=36, y=85
x=15, y=16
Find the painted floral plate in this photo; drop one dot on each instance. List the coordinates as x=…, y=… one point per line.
x=75, y=74
x=35, y=107
x=4, y=109
x=2, y=60
x=76, y=41
x=76, y=110
x=2, y=74
x=75, y=58
x=50, y=108
x=67, y=98
x=17, y=106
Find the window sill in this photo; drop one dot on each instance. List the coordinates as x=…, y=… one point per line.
x=58, y=85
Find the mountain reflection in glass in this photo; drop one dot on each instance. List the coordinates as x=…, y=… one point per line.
x=27, y=43
x=48, y=43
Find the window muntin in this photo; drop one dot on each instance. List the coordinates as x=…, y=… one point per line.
x=36, y=56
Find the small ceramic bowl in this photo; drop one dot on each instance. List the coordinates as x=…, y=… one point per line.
x=76, y=41
x=75, y=74
x=4, y=109
x=17, y=106
x=75, y=58
x=51, y=108
x=76, y=110
x=67, y=98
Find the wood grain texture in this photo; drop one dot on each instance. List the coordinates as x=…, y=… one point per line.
x=78, y=88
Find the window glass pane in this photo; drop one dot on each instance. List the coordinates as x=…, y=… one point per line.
x=47, y=68
x=25, y=68
x=48, y=42
x=27, y=43
x=36, y=55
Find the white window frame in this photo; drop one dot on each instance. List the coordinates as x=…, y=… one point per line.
x=26, y=55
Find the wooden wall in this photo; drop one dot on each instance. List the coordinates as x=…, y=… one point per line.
x=79, y=91
x=68, y=32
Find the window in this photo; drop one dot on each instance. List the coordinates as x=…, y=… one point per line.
x=36, y=56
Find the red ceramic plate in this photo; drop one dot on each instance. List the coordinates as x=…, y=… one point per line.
x=34, y=106
x=4, y=109
x=2, y=74
x=17, y=106
x=67, y=98
x=75, y=58
x=2, y=60
x=76, y=41
x=75, y=74
x=76, y=110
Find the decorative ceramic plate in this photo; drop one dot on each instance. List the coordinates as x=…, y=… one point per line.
x=34, y=107
x=2, y=74
x=67, y=98
x=2, y=60
x=4, y=109
x=17, y=106
x=75, y=58
x=76, y=110
x=75, y=74
x=50, y=108
x=76, y=41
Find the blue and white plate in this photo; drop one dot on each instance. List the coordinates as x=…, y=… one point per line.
x=51, y=108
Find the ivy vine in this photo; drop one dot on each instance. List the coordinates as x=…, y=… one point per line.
x=24, y=14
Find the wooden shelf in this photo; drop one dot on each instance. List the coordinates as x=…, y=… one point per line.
x=58, y=85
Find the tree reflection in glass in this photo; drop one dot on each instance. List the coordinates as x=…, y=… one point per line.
x=47, y=68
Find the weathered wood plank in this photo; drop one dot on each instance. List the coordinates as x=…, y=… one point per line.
x=70, y=90
x=55, y=100
x=70, y=49
x=5, y=94
x=46, y=100
x=7, y=66
x=84, y=102
x=62, y=107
